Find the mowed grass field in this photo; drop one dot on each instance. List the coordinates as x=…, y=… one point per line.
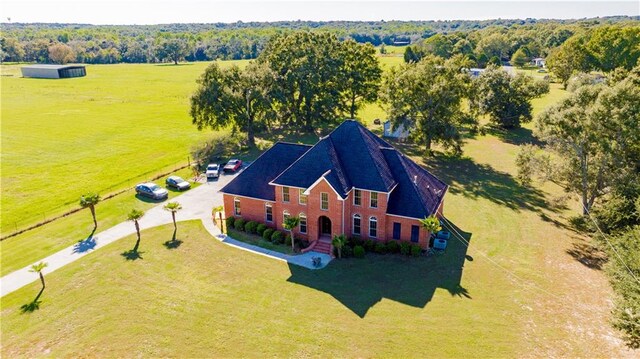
x=514, y=287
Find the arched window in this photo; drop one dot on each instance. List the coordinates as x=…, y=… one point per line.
x=268, y=210
x=357, y=223
x=303, y=223
x=236, y=206
x=373, y=227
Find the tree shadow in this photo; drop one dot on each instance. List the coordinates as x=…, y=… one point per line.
x=361, y=283
x=173, y=243
x=148, y=199
x=33, y=305
x=514, y=136
x=133, y=254
x=473, y=180
x=86, y=244
x=588, y=254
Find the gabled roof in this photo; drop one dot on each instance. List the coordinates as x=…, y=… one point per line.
x=254, y=180
x=352, y=155
x=418, y=193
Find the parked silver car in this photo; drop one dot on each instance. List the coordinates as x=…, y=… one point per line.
x=177, y=183
x=152, y=190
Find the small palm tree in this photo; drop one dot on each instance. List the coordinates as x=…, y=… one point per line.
x=219, y=210
x=431, y=224
x=90, y=200
x=173, y=207
x=289, y=224
x=339, y=242
x=37, y=268
x=134, y=216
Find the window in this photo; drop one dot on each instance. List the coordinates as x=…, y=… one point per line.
x=303, y=223
x=357, y=197
x=236, y=206
x=268, y=208
x=285, y=194
x=397, y=228
x=285, y=215
x=373, y=203
x=302, y=198
x=373, y=227
x=356, y=224
x=324, y=201
x=415, y=233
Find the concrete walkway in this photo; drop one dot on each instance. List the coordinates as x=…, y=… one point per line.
x=196, y=204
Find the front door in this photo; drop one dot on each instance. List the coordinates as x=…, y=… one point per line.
x=325, y=226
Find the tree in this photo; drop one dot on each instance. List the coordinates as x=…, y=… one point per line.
x=614, y=46
x=339, y=242
x=12, y=49
x=307, y=67
x=233, y=97
x=596, y=138
x=134, y=216
x=570, y=58
x=61, y=53
x=37, y=268
x=361, y=75
x=519, y=58
x=494, y=45
x=505, y=98
x=438, y=45
x=219, y=210
x=173, y=207
x=290, y=223
x=90, y=200
x=172, y=49
x=427, y=96
x=431, y=224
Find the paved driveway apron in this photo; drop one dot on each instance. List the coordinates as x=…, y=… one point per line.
x=196, y=204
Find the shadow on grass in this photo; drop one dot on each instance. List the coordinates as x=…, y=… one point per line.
x=173, y=243
x=587, y=254
x=33, y=305
x=361, y=283
x=86, y=244
x=473, y=180
x=515, y=136
x=133, y=254
x=174, y=65
x=149, y=200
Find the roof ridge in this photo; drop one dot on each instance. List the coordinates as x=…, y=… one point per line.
x=361, y=131
x=339, y=167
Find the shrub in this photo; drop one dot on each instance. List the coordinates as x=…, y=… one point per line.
x=381, y=248
x=238, y=224
x=347, y=252
x=358, y=252
x=415, y=250
x=260, y=229
x=369, y=245
x=356, y=241
x=302, y=243
x=267, y=234
x=229, y=221
x=393, y=246
x=250, y=227
x=277, y=237
x=287, y=240
x=405, y=248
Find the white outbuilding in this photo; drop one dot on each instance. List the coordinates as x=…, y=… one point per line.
x=53, y=71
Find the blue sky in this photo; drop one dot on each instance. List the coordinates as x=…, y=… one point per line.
x=200, y=11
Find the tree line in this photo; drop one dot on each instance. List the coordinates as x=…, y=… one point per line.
x=103, y=44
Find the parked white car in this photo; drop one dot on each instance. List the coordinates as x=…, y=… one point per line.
x=213, y=170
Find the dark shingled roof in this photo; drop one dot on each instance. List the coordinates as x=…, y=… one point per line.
x=254, y=180
x=350, y=156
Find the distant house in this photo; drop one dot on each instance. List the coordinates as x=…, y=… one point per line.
x=350, y=182
x=53, y=71
x=400, y=132
x=539, y=62
x=475, y=72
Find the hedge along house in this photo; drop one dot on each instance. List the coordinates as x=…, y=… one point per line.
x=53, y=71
x=350, y=182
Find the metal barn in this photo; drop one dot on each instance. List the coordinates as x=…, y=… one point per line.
x=53, y=71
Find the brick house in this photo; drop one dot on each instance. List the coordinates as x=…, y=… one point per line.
x=350, y=182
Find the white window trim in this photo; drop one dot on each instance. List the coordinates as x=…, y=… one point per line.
x=301, y=216
x=236, y=204
x=375, y=220
x=321, y=201
x=353, y=224
x=377, y=200
x=300, y=195
x=270, y=205
x=354, y=197
x=288, y=193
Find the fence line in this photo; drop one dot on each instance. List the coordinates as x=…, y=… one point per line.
x=73, y=209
